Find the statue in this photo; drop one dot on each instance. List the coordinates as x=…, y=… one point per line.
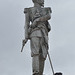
x=36, y=30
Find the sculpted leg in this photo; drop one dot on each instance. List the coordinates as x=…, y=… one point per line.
x=35, y=65
x=38, y=65
x=37, y=56
x=41, y=65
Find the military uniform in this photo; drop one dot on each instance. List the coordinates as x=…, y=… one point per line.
x=38, y=36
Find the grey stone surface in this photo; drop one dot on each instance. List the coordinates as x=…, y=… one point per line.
x=36, y=30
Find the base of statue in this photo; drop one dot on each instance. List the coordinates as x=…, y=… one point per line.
x=58, y=73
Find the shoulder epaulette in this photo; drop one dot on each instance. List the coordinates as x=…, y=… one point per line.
x=26, y=10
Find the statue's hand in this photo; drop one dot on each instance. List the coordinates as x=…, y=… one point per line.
x=25, y=41
x=36, y=20
x=34, y=24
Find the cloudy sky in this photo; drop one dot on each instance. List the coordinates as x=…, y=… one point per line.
x=61, y=38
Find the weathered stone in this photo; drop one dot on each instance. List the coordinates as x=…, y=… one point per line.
x=37, y=32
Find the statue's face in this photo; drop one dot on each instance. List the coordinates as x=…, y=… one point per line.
x=41, y=2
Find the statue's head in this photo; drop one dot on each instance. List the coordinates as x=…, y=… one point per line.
x=40, y=2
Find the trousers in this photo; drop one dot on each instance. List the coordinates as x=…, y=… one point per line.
x=39, y=54
x=38, y=65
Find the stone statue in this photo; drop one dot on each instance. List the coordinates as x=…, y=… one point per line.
x=36, y=29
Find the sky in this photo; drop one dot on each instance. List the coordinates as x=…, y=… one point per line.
x=61, y=38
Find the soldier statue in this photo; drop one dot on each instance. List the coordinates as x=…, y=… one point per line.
x=36, y=30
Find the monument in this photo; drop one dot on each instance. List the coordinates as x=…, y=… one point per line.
x=36, y=30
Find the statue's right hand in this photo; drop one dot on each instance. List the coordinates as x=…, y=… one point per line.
x=24, y=41
x=23, y=44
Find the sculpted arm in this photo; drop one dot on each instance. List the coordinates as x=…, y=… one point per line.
x=47, y=16
x=43, y=18
x=27, y=23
